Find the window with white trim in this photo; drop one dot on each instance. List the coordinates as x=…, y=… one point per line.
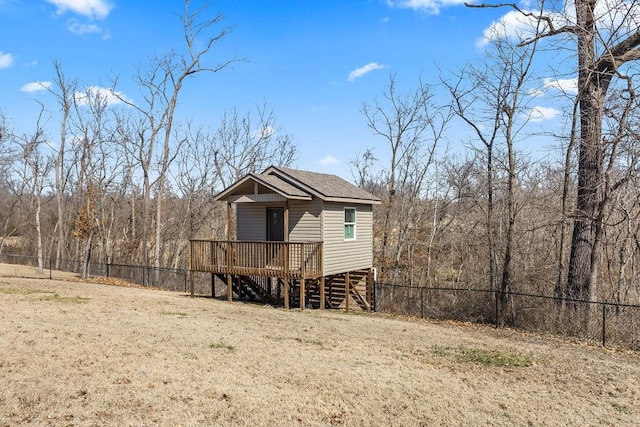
x=349, y=223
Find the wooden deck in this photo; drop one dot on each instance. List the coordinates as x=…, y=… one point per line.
x=297, y=266
x=287, y=260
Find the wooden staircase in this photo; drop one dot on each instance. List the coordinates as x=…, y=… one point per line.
x=251, y=289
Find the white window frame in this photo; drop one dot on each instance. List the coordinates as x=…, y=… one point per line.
x=355, y=220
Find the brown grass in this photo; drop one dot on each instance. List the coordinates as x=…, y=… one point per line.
x=112, y=355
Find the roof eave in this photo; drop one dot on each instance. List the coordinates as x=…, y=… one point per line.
x=351, y=200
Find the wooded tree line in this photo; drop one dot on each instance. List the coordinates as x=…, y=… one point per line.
x=131, y=183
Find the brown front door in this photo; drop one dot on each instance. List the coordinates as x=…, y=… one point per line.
x=275, y=224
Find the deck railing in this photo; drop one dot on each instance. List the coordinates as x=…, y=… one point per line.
x=295, y=260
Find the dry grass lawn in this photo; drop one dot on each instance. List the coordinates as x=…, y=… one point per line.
x=82, y=354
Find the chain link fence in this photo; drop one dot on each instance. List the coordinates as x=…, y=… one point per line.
x=170, y=279
x=605, y=323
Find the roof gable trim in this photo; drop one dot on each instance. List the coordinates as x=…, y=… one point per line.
x=229, y=192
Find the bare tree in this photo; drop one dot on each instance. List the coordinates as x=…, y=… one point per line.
x=491, y=100
x=64, y=90
x=99, y=166
x=412, y=126
x=11, y=190
x=161, y=82
x=33, y=169
x=606, y=40
x=246, y=143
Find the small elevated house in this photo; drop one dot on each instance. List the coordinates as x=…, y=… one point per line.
x=302, y=238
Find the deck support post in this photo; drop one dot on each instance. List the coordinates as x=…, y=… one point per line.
x=213, y=276
x=302, y=293
x=191, y=285
x=322, y=293
x=229, y=287
x=347, y=284
x=330, y=290
x=286, y=293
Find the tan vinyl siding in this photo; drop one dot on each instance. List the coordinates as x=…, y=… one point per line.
x=305, y=221
x=251, y=221
x=342, y=255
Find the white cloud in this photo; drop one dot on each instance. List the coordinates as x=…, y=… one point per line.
x=92, y=9
x=513, y=25
x=539, y=114
x=569, y=86
x=329, y=160
x=428, y=6
x=104, y=94
x=610, y=15
x=359, y=72
x=6, y=60
x=78, y=28
x=35, y=87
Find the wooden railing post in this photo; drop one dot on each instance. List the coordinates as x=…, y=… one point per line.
x=229, y=247
x=303, y=274
x=303, y=260
x=287, y=264
x=321, y=259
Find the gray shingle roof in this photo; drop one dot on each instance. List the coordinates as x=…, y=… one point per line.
x=328, y=186
x=302, y=185
x=282, y=186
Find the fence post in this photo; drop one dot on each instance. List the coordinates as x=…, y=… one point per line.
x=375, y=302
x=604, y=324
x=50, y=275
x=422, y=303
x=108, y=263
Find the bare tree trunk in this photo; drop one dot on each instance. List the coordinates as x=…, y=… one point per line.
x=64, y=91
x=560, y=289
x=581, y=281
x=87, y=257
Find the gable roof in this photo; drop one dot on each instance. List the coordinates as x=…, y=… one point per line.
x=273, y=183
x=303, y=185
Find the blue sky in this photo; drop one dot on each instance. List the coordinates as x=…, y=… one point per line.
x=312, y=62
